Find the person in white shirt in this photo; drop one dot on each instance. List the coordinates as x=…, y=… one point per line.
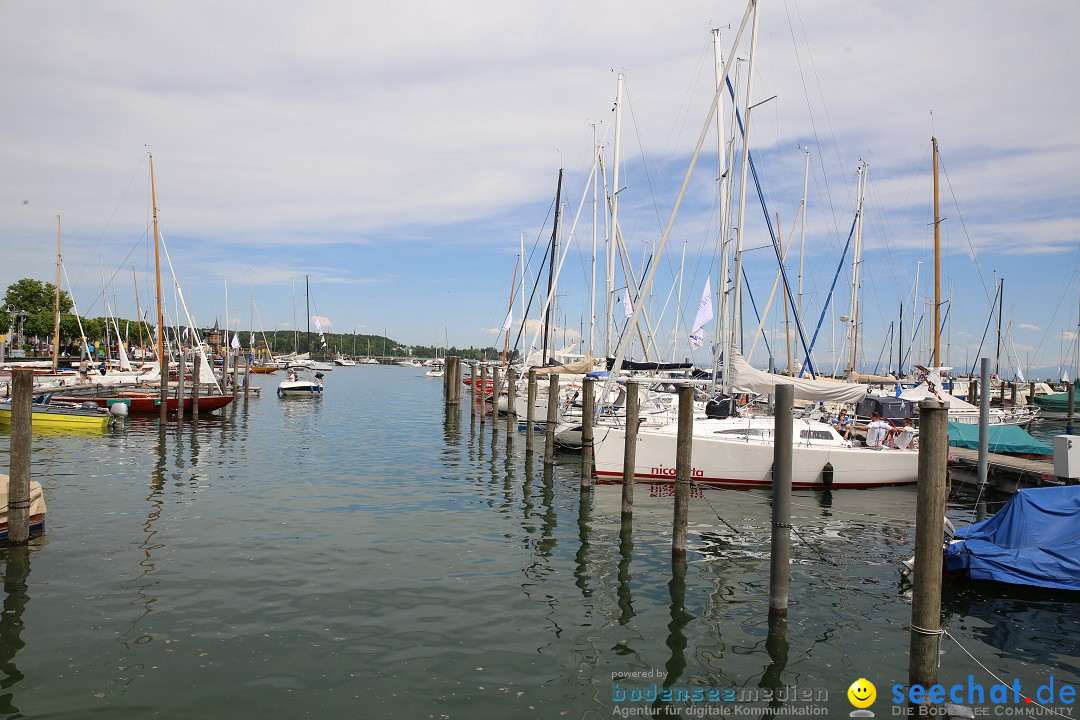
x=902, y=436
x=877, y=432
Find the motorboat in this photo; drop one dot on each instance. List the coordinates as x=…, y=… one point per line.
x=301, y=382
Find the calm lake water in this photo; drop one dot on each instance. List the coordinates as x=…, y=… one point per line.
x=367, y=555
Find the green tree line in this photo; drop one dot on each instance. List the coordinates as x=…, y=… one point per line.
x=29, y=309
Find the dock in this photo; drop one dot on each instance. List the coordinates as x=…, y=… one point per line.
x=1003, y=472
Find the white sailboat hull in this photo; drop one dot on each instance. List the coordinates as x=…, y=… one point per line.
x=734, y=460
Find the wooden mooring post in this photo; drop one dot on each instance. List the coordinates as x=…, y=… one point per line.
x=474, y=385
x=587, y=407
x=780, y=561
x=22, y=391
x=247, y=376
x=495, y=380
x=929, y=528
x=511, y=408
x=195, y=389
x=630, y=449
x=683, y=469
x=483, y=394
x=552, y=418
x=530, y=413
x=182, y=368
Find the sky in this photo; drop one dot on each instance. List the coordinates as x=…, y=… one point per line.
x=395, y=156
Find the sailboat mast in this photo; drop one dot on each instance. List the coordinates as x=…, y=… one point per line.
x=609, y=306
x=509, y=310
x=1001, y=304
x=163, y=365
x=937, y=261
x=856, y=261
x=139, y=315
x=56, y=326
x=307, y=295
x=551, y=264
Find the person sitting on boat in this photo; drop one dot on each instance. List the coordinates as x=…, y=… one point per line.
x=903, y=436
x=103, y=367
x=84, y=369
x=877, y=432
x=842, y=423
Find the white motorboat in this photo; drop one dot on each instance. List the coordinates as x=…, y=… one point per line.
x=301, y=382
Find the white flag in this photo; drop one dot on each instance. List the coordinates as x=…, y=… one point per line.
x=252, y=340
x=1065, y=376
x=628, y=308
x=318, y=325
x=704, y=315
x=1019, y=375
x=509, y=320
x=235, y=344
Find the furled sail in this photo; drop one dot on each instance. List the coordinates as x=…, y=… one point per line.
x=745, y=378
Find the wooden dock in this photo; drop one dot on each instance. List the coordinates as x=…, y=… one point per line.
x=1004, y=472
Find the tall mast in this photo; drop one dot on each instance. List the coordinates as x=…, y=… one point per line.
x=802, y=226
x=736, y=326
x=592, y=287
x=163, y=365
x=139, y=315
x=551, y=265
x=307, y=295
x=723, y=192
x=937, y=261
x=1001, y=305
x=56, y=326
x=856, y=261
x=609, y=318
x=509, y=310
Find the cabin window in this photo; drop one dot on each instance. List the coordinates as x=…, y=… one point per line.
x=815, y=435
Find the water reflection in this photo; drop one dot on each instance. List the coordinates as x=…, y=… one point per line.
x=626, y=552
x=16, y=598
x=676, y=639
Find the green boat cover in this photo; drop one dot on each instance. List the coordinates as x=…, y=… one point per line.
x=1057, y=402
x=1004, y=439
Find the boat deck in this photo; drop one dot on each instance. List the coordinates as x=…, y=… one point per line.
x=1004, y=472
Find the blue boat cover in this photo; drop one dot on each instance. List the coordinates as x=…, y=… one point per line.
x=1003, y=439
x=598, y=374
x=1033, y=540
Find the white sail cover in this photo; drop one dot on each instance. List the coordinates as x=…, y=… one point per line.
x=745, y=378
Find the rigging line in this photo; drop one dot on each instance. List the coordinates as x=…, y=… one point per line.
x=819, y=155
x=967, y=235
x=1000, y=681
x=1067, y=288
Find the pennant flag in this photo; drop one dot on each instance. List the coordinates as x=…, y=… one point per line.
x=1065, y=376
x=628, y=309
x=509, y=320
x=1019, y=375
x=235, y=344
x=187, y=331
x=704, y=311
x=318, y=325
x=252, y=344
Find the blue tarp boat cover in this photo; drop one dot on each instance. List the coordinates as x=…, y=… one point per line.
x=1003, y=439
x=1033, y=540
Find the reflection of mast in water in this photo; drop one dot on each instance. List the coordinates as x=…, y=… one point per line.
x=141, y=582
x=16, y=598
x=776, y=645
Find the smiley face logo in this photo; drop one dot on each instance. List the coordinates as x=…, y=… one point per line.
x=862, y=693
